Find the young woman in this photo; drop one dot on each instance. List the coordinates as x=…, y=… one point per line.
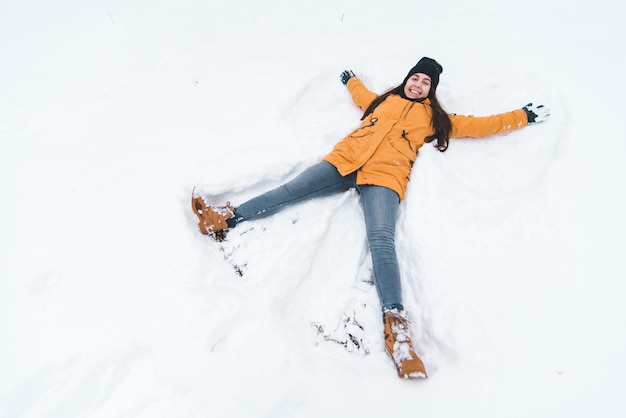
x=376, y=159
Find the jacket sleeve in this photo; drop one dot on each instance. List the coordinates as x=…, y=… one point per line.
x=478, y=127
x=361, y=96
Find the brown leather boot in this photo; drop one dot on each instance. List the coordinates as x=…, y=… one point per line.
x=399, y=347
x=212, y=218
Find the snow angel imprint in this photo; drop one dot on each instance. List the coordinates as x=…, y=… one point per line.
x=376, y=159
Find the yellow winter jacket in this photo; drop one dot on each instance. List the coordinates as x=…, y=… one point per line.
x=382, y=150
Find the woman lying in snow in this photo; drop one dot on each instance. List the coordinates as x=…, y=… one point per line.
x=376, y=159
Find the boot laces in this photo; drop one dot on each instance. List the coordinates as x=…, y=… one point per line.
x=402, y=347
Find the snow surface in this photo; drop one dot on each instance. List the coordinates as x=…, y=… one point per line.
x=113, y=305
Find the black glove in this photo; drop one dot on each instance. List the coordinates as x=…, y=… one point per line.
x=346, y=75
x=536, y=114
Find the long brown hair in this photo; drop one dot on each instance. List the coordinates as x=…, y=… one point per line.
x=440, y=120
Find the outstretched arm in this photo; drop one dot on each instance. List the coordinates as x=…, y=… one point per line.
x=361, y=96
x=477, y=127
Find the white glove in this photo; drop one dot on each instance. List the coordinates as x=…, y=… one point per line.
x=536, y=114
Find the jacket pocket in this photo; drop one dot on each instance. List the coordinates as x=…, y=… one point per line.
x=404, y=147
x=364, y=130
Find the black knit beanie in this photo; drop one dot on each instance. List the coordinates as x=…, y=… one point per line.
x=427, y=66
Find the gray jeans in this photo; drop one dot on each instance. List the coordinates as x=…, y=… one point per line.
x=380, y=207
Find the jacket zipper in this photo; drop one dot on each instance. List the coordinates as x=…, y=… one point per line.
x=405, y=135
x=408, y=110
x=372, y=123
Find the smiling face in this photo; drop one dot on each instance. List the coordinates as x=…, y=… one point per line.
x=417, y=86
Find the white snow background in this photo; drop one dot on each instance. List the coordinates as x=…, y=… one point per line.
x=511, y=247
